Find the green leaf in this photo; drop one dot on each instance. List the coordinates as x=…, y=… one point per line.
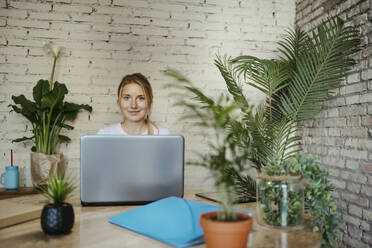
x=319, y=68
x=23, y=139
x=28, y=107
x=54, y=96
x=63, y=138
x=40, y=90
x=71, y=110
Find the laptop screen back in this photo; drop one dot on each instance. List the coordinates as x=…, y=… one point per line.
x=130, y=169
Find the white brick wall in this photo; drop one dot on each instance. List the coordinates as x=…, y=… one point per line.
x=104, y=40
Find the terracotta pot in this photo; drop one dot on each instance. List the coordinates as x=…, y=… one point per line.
x=42, y=165
x=220, y=234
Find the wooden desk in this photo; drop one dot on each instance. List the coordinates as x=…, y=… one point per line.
x=92, y=229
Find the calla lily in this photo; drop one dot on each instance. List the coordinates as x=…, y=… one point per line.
x=55, y=51
x=52, y=48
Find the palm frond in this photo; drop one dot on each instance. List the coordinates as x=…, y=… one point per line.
x=319, y=69
x=232, y=82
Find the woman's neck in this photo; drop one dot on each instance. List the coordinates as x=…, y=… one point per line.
x=134, y=128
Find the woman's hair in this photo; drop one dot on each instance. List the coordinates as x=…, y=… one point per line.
x=142, y=81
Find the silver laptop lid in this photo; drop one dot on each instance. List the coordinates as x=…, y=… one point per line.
x=117, y=169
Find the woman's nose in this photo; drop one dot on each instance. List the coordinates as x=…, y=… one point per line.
x=133, y=104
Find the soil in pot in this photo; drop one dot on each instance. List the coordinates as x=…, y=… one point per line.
x=221, y=234
x=57, y=219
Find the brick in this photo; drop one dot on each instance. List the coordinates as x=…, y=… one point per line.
x=366, y=167
x=353, y=110
x=356, y=143
x=112, y=28
x=89, y=36
x=49, y=16
x=31, y=6
x=355, y=88
x=338, y=184
x=28, y=23
x=355, y=242
x=354, y=177
x=365, y=226
x=38, y=33
x=353, y=99
x=354, y=132
x=350, y=219
x=353, y=121
x=15, y=13
x=334, y=132
x=90, y=18
x=13, y=50
x=354, y=187
x=367, y=215
x=367, y=120
x=131, y=3
x=366, y=98
x=356, y=154
x=72, y=8
x=335, y=122
x=355, y=232
x=367, y=190
x=367, y=74
x=70, y=26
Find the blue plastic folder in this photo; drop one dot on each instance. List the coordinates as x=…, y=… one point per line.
x=172, y=220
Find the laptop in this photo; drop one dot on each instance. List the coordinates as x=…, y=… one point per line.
x=117, y=169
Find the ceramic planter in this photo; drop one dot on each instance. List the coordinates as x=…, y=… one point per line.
x=57, y=219
x=280, y=201
x=42, y=165
x=222, y=234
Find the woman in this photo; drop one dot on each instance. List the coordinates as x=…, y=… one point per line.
x=135, y=100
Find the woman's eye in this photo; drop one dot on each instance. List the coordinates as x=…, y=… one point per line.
x=141, y=98
x=126, y=97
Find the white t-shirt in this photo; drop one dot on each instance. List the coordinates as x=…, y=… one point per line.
x=116, y=129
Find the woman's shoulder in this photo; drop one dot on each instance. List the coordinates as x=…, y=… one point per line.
x=111, y=129
x=160, y=130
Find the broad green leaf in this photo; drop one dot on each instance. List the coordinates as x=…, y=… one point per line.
x=40, y=89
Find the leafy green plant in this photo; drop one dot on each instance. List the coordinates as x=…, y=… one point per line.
x=56, y=188
x=308, y=68
x=319, y=203
x=48, y=112
x=225, y=160
x=279, y=199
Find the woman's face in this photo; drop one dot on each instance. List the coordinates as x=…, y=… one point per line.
x=133, y=104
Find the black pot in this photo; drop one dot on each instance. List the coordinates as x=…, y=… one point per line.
x=57, y=219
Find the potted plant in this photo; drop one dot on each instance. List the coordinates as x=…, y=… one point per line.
x=48, y=114
x=57, y=217
x=309, y=67
x=225, y=228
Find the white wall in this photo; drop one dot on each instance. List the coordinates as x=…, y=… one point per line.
x=107, y=39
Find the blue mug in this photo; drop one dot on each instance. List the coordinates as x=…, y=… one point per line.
x=11, y=177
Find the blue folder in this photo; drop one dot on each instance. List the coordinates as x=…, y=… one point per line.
x=172, y=220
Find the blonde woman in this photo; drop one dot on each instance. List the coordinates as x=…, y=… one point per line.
x=135, y=100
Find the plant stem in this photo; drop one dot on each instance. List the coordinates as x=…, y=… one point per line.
x=52, y=74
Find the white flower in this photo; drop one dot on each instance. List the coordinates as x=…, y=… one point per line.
x=52, y=48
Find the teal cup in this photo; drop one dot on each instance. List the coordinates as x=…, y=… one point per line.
x=10, y=179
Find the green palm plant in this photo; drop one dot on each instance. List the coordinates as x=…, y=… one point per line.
x=308, y=68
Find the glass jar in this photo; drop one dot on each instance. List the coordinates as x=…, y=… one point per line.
x=280, y=201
